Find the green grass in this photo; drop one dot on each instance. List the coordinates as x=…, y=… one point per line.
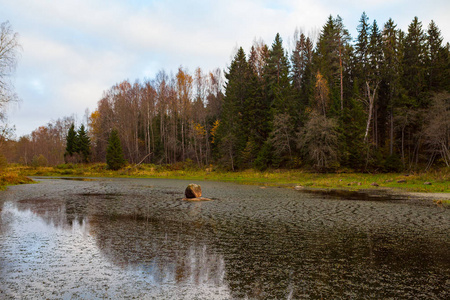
x=440, y=180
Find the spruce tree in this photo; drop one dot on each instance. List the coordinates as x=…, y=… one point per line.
x=390, y=88
x=84, y=144
x=331, y=58
x=414, y=62
x=239, y=126
x=375, y=51
x=277, y=79
x=436, y=63
x=301, y=75
x=114, y=154
x=362, y=45
x=71, y=143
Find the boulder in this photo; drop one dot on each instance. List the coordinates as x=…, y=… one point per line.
x=427, y=183
x=401, y=181
x=374, y=184
x=193, y=191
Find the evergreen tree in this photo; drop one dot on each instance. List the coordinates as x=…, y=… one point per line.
x=326, y=58
x=299, y=62
x=71, y=145
x=436, y=63
x=84, y=144
x=390, y=88
x=301, y=73
x=375, y=51
x=362, y=45
x=233, y=130
x=114, y=155
x=373, y=79
x=71, y=141
x=259, y=54
x=257, y=105
x=414, y=61
x=277, y=79
x=279, y=98
x=330, y=59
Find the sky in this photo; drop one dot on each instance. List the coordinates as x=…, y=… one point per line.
x=73, y=50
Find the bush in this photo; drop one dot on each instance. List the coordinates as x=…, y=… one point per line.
x=3, y=162
x=39, y=161
x=393, y=163
x=64, y=167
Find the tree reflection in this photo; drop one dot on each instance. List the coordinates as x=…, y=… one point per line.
x=168, y=252
x=255, y=259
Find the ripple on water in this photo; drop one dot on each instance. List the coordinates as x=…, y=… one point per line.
x=110, y=238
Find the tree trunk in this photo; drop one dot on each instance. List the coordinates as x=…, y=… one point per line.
x=391, y=143
x=371, y=103
x=342, y=80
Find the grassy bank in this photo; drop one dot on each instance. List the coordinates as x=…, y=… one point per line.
x=437, y=181
x=12, y=177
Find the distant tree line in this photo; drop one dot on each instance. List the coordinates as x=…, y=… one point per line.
x=378, y=102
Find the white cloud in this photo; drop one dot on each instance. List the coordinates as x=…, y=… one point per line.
x=75, y=49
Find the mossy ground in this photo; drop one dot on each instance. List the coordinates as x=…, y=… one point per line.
x=412, y=182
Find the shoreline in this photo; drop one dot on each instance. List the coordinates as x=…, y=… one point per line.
x=433, y=185
x=371, y=192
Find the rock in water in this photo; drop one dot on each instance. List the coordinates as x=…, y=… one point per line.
x=193, y=191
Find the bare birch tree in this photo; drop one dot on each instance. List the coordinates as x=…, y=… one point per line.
x=9, y=53
x=437, y=131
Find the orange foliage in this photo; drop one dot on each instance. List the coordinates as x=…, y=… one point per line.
x=214, y=130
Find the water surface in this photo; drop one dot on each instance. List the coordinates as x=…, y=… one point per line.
x=119, y=238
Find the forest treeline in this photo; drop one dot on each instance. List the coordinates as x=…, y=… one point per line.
x=379, y=102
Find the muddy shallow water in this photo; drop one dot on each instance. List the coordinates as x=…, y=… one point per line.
x=136, y=238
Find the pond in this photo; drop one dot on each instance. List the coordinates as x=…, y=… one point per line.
x=137, y=238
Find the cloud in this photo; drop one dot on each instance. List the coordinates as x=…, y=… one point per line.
x=76, y=49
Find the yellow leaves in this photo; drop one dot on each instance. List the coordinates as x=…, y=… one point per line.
x=214, y=130
x=199, y=130
x=308, y=110
x=321, y=93
x=94, y=123
x=95, y=115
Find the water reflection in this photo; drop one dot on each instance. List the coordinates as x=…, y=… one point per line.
x=159, y=252
x=134, y=242
x=168, y=252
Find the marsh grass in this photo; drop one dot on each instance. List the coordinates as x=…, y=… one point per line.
x=10, y=177
x=440, y=180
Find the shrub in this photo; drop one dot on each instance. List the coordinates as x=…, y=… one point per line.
x=39, y=161
x=64, y=166
x=3, y=162
x=393, y=163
